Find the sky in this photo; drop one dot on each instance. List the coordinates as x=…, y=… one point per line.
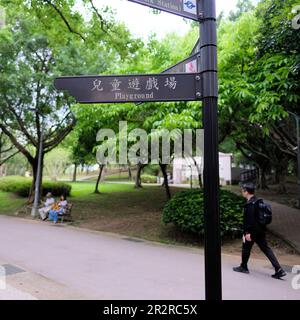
x=142, y=22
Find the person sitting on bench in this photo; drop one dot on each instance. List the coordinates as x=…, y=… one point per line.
x=58, y=209
x=47, y=206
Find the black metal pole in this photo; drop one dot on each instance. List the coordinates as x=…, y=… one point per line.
x=208, y=70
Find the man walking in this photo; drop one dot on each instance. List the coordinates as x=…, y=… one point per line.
x=255, y=232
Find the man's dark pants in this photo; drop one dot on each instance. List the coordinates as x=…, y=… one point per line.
x=261, y=241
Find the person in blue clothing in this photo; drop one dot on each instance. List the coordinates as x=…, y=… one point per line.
x=58, y=208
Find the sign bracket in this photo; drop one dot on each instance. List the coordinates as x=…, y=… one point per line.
x=198, y=86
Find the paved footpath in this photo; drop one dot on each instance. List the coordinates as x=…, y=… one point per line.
x=47, y=261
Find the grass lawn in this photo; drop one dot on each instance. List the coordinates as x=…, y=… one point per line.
x=86, y=189
x=9, y=203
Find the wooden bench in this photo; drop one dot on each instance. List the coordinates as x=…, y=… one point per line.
x=26, y=210
x=68, y=214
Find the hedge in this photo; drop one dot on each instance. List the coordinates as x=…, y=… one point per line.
x=186, y=211
x=146, y=178
x=21, y=186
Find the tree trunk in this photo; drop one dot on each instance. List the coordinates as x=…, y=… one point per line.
x=262, y=183
x=200, y=180
x=277, y=176
x=32, y=188
x=166, y=182
x=138, y=180
x=282, y=183
x=75, y=173
x=281, y=172
x=129, y=173
x=101, y=167
x=199, y=173
x=34, y=166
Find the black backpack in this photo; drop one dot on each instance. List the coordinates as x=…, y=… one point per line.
x=264, y=212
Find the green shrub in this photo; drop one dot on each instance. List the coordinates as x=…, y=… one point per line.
x=146, y=178
x=186, y=211
x=57, y=188
x=21, y=186
x=15, y=184
x=152, y=170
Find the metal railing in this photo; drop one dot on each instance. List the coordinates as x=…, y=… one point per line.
x=249, y=175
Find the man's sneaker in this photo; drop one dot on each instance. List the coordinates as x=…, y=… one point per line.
x=279, y=274
x=241, y=269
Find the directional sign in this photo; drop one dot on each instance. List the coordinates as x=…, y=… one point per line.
x=183, y=8
x=132, y=88
x=189, y=65
x=196, y=48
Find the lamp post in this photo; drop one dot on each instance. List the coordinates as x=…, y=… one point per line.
x=297, y=120
x=34, y=211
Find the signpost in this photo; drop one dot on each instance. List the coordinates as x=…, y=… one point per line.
x=132, y=88
x=208, y=70
x=177, y=84
x=183, y=8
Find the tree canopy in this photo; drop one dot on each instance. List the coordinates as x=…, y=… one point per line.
x=259, y=63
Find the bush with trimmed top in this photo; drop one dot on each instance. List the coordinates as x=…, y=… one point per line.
x=186, y=211
x=146, y=178
x=21, y=186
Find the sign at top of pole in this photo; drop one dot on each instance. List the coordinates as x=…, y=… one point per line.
x=184, y=8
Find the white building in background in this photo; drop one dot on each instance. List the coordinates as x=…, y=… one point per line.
x=184, y=167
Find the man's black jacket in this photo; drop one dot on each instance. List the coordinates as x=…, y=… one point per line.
x=251, y=224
